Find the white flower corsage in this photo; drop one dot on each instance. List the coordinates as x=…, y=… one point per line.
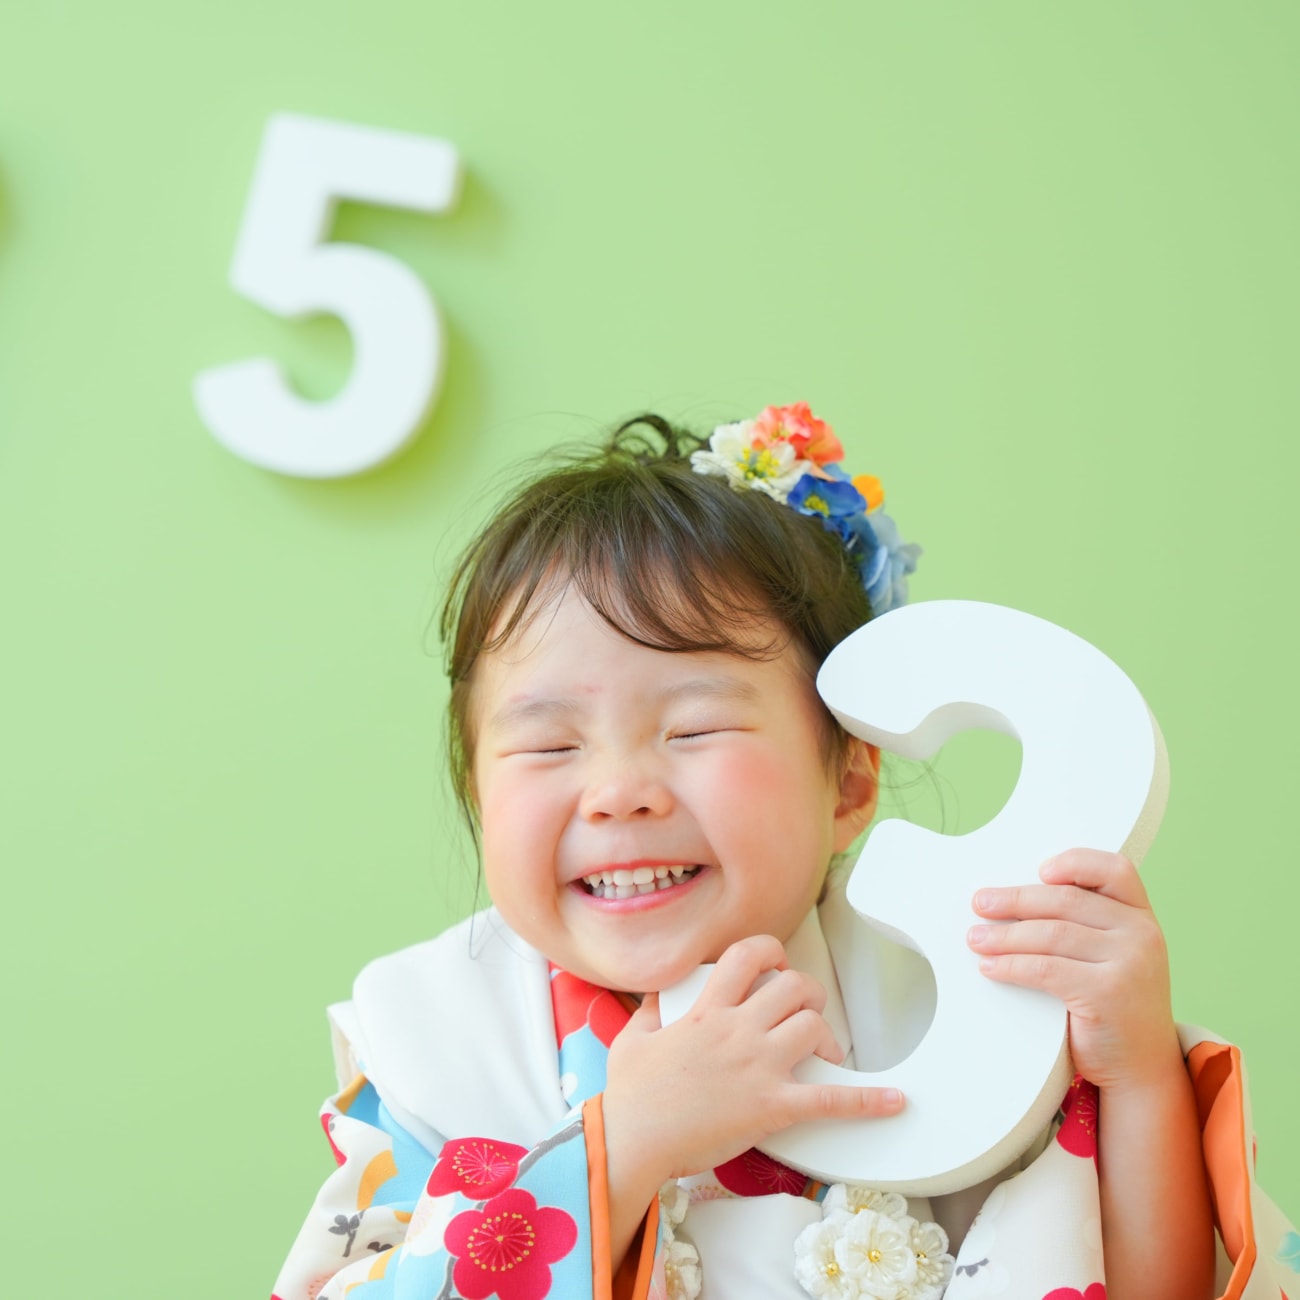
x=867, y=1247
x=682, y=1274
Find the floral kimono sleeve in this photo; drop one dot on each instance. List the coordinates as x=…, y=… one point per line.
x=482, y=1218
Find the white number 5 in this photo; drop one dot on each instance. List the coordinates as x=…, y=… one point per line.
x=280, y=263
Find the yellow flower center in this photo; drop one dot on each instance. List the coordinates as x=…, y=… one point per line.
x=761, y=464
x=874, y=1256
x=921, y=1257
x=832, y=1269
x=814, y=502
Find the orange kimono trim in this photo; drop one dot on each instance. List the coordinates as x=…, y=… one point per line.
x=633, y=1279
x=1215, y=1070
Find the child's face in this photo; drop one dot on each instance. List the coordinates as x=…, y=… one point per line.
x=594, y=754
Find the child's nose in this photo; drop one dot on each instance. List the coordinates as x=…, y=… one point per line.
x=625, y=789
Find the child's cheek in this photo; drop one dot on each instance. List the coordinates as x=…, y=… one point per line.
x=743, y=786
x=515, y=817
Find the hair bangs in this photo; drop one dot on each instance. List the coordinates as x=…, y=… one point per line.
x=667, y=581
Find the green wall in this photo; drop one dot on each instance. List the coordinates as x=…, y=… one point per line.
x=1036, y=263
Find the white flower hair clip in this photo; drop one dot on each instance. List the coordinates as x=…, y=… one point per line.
x=790, y=455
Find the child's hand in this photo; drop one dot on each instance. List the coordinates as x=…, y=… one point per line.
x=1088, y=936
x=689, y=1096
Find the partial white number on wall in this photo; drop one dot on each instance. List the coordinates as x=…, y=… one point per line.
x=304, y=167
x=989, y=1074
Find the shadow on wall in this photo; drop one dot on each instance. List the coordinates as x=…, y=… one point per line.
x=6, y=219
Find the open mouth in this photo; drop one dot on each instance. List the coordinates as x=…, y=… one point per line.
x=628, y=882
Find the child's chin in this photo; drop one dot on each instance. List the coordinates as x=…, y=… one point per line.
x=659, y=976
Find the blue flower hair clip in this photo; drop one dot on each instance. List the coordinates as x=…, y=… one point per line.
x=787, y=453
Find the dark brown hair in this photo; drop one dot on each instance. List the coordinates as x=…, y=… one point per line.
x=672, y=559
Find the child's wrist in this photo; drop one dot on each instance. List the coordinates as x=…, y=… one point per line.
x=1162, y=1072
x=632, y=1184
x=634, y=1163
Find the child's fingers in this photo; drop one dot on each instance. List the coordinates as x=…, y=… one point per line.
x=811, y=1101
x=1049, y=902
x=1052, y=902
x=1109, y=874
x=739, y=966
x=1058, y=976
x=646, y=1017
x=782, y=994
x=1082, y=885
x=802, y=1035
x=1055, y=938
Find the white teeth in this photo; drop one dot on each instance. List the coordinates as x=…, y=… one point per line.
x=628, y=882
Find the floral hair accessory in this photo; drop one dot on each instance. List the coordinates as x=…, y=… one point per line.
x=790, y=455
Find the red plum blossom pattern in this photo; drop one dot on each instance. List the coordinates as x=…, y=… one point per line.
x=506, y=1248
x=1078, y=1131
x=476, y=1167
x=578, y=1003
x=756, y=1174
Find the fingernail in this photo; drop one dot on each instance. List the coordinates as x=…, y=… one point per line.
x=976, y=933
x=984, y=899
x=893, y=1097
x=986, y=963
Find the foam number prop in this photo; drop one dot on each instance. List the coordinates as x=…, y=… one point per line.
x=993, y=1067
x=305, y=165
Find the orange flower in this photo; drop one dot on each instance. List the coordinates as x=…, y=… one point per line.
x=811, y=438
x=869, y=486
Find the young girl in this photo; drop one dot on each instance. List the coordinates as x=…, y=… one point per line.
x=655, y=783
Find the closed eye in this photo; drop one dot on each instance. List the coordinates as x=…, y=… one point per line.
x=538, y=749
x=700, y=733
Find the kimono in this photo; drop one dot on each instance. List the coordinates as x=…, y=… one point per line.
x=469, y=1145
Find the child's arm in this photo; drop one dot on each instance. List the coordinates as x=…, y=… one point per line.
x=701, y=1091
x=1088, y=936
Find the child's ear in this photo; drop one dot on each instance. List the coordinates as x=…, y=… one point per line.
x=859, y=786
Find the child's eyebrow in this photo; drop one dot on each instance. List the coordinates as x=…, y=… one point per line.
x=717, y=688
x=529, y=710
x=548, y=709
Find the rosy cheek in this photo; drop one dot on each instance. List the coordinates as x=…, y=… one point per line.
x=515, y=812
x=749, y=776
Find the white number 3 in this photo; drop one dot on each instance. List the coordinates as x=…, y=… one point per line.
x=988, y=1075
x=304, y=166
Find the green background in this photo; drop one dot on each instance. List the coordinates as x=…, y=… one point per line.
x=1036, y=263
